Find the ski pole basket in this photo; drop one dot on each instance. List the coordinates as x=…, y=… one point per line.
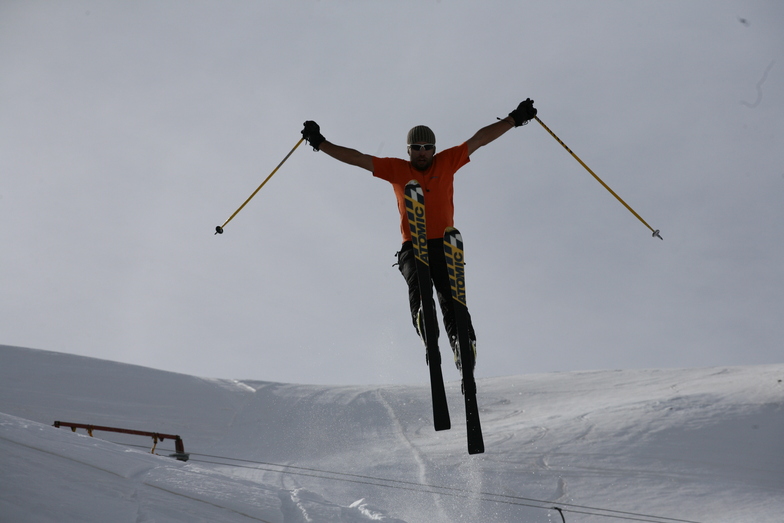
x=179, y=446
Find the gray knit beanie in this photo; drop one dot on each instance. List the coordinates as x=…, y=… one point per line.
x=420, y=133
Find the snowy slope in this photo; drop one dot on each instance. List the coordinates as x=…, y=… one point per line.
x=699, y=445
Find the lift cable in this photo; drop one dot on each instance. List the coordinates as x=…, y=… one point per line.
x=436, y=489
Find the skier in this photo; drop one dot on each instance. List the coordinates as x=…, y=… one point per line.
x=435, y=173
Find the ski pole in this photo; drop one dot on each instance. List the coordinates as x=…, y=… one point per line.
x=655, y=232
x=219, y=228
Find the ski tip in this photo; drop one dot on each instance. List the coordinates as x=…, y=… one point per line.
x=452, y=233
x=415, y=192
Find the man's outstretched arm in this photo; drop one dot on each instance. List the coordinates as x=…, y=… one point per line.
x=346, y=155
x=312, y=133
x=524, y=112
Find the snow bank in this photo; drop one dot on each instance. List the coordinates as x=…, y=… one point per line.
x=698, y=445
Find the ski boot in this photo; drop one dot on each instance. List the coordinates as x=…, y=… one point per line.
x=419, y=323
x=456, y=350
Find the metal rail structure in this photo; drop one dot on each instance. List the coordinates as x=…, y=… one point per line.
x=179, y=446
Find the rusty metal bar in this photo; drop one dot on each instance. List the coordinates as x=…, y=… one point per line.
x=179, y=446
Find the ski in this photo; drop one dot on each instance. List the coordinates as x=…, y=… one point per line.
x=453, y=252
x=415, y=209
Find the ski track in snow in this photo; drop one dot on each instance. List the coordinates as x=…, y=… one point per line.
x=415, y=452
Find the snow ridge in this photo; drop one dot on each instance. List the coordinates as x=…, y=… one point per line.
x=699, y=445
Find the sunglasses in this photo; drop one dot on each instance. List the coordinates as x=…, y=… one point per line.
x=419, y=147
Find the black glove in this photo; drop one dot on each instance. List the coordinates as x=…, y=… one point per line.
x=524, y=112
x=312, y=133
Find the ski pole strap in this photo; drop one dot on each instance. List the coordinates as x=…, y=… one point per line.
x=655, y=232
x=219, y=228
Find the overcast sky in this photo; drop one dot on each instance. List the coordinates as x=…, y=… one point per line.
x=129, y=130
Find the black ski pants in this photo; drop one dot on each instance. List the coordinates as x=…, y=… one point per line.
x=440, y=278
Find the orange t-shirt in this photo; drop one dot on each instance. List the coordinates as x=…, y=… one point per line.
x=436, y=181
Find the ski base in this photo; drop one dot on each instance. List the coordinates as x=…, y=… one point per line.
x=453, y=251
x=415, y=210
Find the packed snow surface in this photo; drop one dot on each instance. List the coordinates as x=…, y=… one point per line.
x=689, y=445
